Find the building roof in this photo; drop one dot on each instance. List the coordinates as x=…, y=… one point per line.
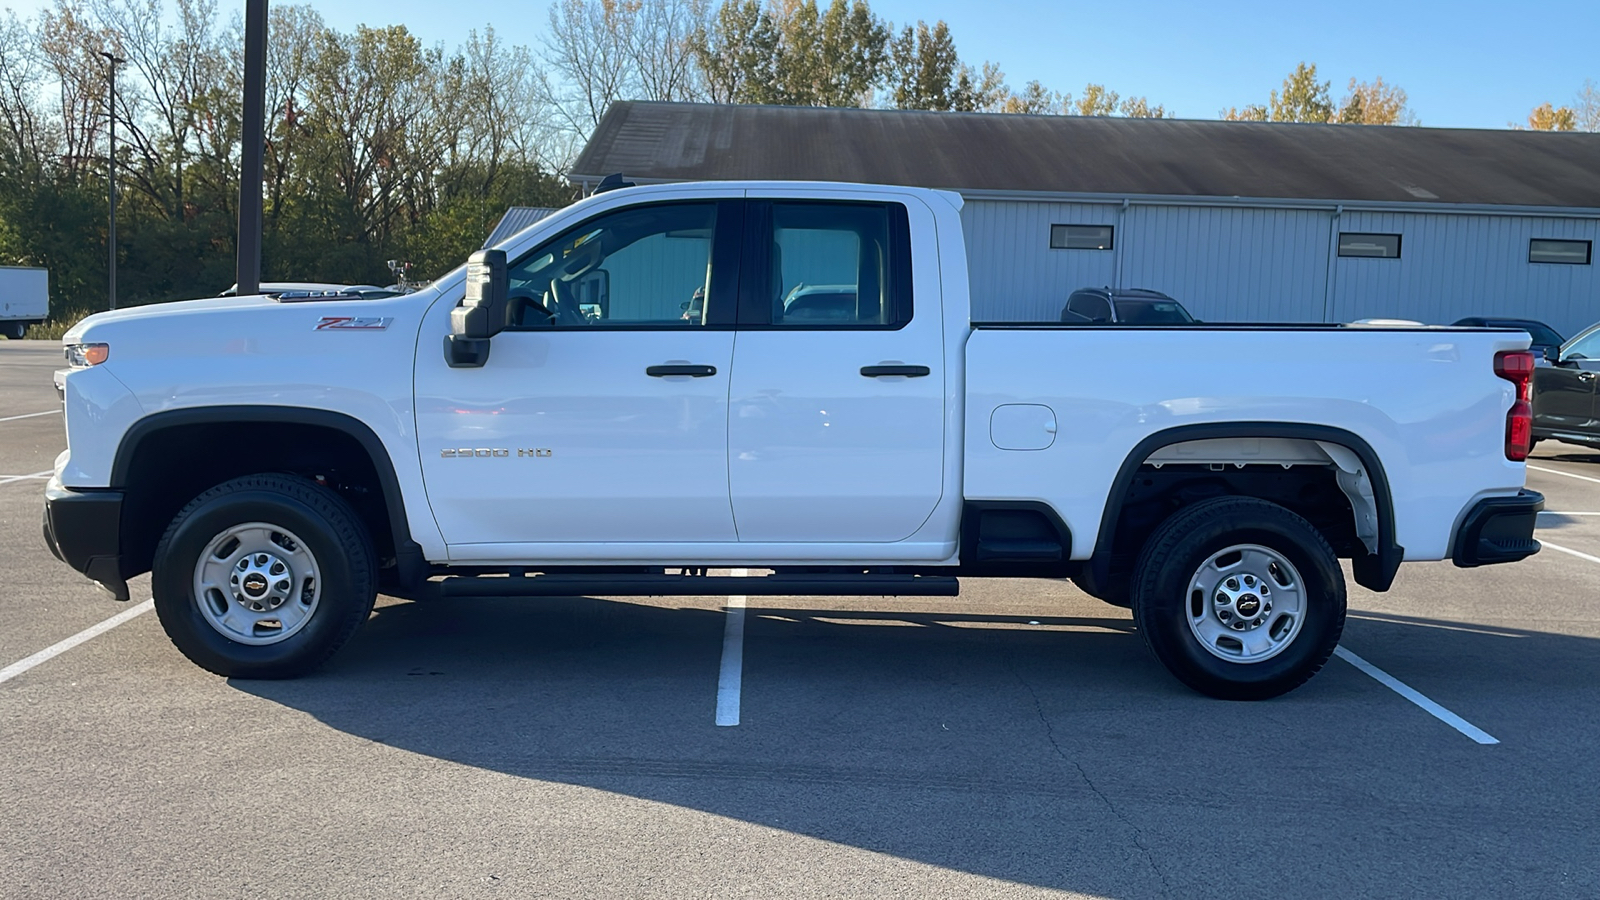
x=516, y=219
x=980, y=153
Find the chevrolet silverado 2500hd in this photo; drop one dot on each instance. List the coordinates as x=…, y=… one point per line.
x=661, y=380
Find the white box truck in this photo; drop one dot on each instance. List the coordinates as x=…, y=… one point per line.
x=24, y=299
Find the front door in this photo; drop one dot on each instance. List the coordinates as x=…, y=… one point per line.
x=1564, y=393
x=836, y=430
x=601, y=415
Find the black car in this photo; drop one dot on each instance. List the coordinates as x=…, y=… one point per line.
x=1123, y=306
x=1545, y=338
x=1564, y=398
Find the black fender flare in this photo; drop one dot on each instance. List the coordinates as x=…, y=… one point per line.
x=412, y=565
x=1374, y=571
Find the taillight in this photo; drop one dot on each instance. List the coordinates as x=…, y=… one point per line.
x=1516, y=366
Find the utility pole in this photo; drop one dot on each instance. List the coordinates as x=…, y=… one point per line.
x=112, y=61
x=248, y=264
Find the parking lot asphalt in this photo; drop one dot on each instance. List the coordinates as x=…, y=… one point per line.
x=1017, y=741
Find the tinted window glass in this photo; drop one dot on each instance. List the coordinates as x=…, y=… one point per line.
x=1092, y=307
x=1080, y=237
x=1572, y=253
x=1152, y=312
x=830, y=265
x=1380, y=246
x=648, y=265
x=1583, y=347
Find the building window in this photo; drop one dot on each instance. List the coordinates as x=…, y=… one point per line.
x=1569, y=253
x=1080, y=237
x=1377, y=246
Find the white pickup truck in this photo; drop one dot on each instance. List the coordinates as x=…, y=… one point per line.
x=659, y=381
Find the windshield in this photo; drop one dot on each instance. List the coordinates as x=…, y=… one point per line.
x=1152, y=312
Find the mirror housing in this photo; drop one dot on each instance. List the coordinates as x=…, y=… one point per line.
x=482, y=313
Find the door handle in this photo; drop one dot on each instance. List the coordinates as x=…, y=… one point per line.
x=885, y=371
x=691, y=371
x=1585, y=376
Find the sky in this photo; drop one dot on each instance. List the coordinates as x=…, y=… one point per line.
x=1464, y=63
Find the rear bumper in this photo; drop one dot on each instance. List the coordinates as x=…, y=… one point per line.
x=1498, y=530
x=83, y=529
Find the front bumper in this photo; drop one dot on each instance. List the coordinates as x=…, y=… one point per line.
x=83, y=529
x=1498, y=530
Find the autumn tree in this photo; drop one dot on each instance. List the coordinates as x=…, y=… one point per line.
x=1374, y=103
x=1582, y=115
x=1547, y=117
x=1140, y=108
x=1034, y=100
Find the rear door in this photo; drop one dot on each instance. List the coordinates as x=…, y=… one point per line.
x=836, y=410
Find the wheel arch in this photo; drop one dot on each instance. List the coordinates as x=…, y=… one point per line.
x=411, y=566
x=1375, y=570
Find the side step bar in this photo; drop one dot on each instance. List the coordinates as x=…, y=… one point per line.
x=627, y=585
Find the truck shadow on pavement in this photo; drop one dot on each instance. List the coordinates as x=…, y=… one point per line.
x=1050, y=751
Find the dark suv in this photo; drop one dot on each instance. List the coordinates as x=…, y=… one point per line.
x=1564, y=396
x=1545, y=338
x=1123, y=306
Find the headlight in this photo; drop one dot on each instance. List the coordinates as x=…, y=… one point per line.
x=81, y=356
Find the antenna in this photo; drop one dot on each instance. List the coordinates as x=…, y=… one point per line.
x=611, y=182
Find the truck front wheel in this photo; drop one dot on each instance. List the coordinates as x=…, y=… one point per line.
x=1240, y=598
x=264, y=576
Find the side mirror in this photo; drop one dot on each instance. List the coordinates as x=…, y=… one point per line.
x=482, y=313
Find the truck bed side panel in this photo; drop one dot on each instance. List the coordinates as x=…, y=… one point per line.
x=1426, y=401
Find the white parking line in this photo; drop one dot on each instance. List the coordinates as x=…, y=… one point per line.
x=1406, y=691
x=48, y=412
x=1568, y=474
x=56, y=649
x=1552, y=512
x=1545, y=543
x=7, y=479
x=731, y=676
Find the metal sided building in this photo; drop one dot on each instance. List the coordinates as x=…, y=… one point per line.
x=1244, y=222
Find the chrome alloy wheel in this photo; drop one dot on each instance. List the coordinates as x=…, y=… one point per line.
x=1246, y=603
x=257, y=583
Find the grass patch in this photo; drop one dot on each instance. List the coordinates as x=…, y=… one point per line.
x=57, y=327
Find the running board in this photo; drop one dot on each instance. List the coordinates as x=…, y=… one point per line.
x=781, y=585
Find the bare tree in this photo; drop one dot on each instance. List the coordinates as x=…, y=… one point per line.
x=590, y=46
x=27, y=137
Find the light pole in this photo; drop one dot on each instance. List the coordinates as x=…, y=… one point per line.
x=112, y=61
x=253, y=127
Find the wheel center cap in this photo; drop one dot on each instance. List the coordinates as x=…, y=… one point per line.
x=255, y=584
x=1248, y=605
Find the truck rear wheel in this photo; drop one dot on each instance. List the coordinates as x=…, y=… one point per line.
x=1239, y=598
x=264, y=576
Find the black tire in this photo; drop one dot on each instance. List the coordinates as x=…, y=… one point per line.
x=15, y=330
x=330, y=529
x=1172, y=557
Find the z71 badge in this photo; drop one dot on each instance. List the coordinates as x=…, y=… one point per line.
x=353, y=323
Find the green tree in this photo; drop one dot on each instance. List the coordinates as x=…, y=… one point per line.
x=737, y=54
x=1302, y=98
